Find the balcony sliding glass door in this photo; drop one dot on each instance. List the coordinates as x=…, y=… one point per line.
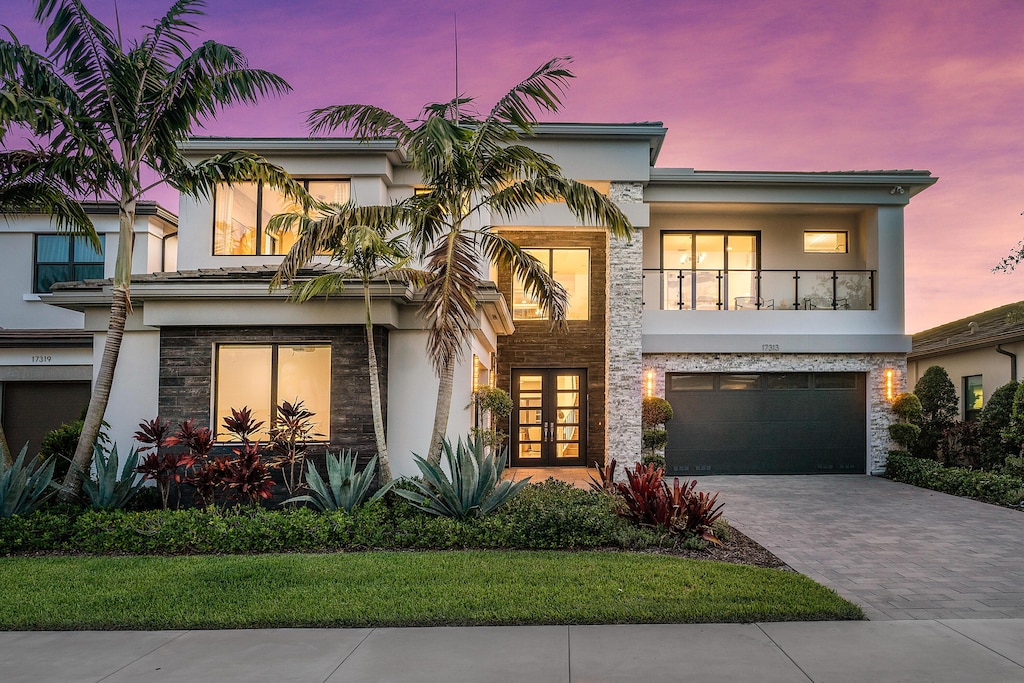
x=709, y=270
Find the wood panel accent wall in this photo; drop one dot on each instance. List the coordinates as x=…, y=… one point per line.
x=535, y=344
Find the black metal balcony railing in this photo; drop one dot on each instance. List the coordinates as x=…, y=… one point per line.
x=765, y=289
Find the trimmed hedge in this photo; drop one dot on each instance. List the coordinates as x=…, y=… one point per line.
x=1001, y=489
x=549, y=515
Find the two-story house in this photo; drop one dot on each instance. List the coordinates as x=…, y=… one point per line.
x=46, y=354
x=766, y=307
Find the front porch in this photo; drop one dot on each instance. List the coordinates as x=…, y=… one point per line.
x=577, y=476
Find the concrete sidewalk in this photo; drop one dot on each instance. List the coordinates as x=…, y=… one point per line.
x=926, y=650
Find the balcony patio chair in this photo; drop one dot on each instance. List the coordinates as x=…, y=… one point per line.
x=826, y=303
x=752, y=302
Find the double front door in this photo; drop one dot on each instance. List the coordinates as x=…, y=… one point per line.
x=549, y=423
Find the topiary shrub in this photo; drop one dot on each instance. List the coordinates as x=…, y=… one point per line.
x=994, y=419
x=904, y=435
x=907, y=407
x=656, y=411
x=938, y=410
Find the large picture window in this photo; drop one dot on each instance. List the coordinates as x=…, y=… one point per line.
x=62, y=258
x=570, y=268
x=242, y=210
x=261, y=376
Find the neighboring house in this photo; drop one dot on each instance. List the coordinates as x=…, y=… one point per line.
x=46, y=354
x=978, y=352
x=768, y=308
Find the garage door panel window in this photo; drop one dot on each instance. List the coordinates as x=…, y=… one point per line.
x=789, y=380
x=739, y=382
x=691, y=382
x=261, y=376
x=835, y=380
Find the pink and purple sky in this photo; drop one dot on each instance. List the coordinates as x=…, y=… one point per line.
x=797, y=85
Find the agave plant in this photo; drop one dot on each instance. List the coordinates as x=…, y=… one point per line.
x=24, y=485
x=113, y=486
x=475, y=488
x=346, y=488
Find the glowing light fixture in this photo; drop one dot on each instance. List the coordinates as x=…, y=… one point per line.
x=888, y=385
x=650, y=383
x=477, y=365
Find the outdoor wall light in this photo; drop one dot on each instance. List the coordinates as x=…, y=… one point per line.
x=888, y=386
x=650, y=383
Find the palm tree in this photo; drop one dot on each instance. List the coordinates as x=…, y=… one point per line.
x=111, y=113
x=472, y=167
x=368, y=254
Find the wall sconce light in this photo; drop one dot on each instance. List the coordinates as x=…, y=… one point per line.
x=897, y=189
x=650, y=383
x=477, y=366
x=888, y=386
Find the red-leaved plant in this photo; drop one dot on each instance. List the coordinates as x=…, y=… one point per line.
x=292, y=429
x=247, y=476
x=647, y=499
x=164, y=466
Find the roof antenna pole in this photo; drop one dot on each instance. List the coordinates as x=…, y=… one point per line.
x=455, y=20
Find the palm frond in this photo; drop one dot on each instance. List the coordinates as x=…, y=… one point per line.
x=538, y=284
x=66, y=213
x=587, y=204
x=360, y=120
x=449, y=297
x=543, y=88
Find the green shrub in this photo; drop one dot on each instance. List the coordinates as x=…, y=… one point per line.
x=654, y=439
x=907, y=407
x=992, y=422
x=939, y=409
x=655, y=411
x=40, y=531
x=653, y=459
x=60, y=444
x=904, y=434
x=986, y=486
x=1013, y=466
x=1014, y=433
x=959, y=445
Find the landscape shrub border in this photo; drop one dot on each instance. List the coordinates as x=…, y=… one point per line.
x=546, y=516
x=990, y=487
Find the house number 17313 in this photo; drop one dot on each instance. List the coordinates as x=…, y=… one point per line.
x=769, y=347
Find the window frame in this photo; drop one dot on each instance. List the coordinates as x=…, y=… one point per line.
x=550, y=264
x=274, y=379
x=70, y=262
x=259, y=212
x=971, y=414
x=846, y=241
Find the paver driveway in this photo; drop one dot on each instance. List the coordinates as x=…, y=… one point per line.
x=898, y=551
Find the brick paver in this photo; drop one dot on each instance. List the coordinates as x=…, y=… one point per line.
x=898, y=551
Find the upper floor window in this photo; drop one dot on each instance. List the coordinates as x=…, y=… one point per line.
x=826, y=242
x=570, y=268
x=63, y=258
x=261, y=376
x=242, y=210
x=974, y=397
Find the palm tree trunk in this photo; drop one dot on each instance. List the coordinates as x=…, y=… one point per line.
x=441, y=410
x=378, y=414
x=100, y=395
x=119, y=307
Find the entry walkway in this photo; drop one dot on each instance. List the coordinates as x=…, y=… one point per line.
x=899, y=551
x=953, y=651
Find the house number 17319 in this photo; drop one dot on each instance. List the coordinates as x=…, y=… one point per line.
x=42, y=359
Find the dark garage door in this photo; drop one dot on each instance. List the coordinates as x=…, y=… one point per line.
x=766, y=423
x=31, y=409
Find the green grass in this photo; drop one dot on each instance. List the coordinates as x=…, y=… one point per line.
x=400, y=589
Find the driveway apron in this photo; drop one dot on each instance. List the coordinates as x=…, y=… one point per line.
x=899, y=551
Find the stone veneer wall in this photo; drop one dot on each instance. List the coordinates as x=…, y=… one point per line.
x=625, y=336
x=186, y=375
x=874, y=364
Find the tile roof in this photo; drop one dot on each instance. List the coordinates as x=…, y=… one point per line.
x=998, y=325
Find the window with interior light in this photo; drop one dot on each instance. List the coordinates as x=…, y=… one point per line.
x=261, y=376
x=826, y=242
x=242, y=210
x=568, y=267
x=63, y=258
x=974, y=397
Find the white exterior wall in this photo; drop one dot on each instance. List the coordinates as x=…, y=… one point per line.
x=133, y=396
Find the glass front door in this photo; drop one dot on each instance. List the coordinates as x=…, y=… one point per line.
x=549, y=419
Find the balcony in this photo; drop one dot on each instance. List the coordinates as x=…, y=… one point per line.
x=761, y=290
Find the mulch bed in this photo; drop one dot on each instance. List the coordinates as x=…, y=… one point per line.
x=740, y=549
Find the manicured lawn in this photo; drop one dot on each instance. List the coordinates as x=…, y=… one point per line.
x=400, y=589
